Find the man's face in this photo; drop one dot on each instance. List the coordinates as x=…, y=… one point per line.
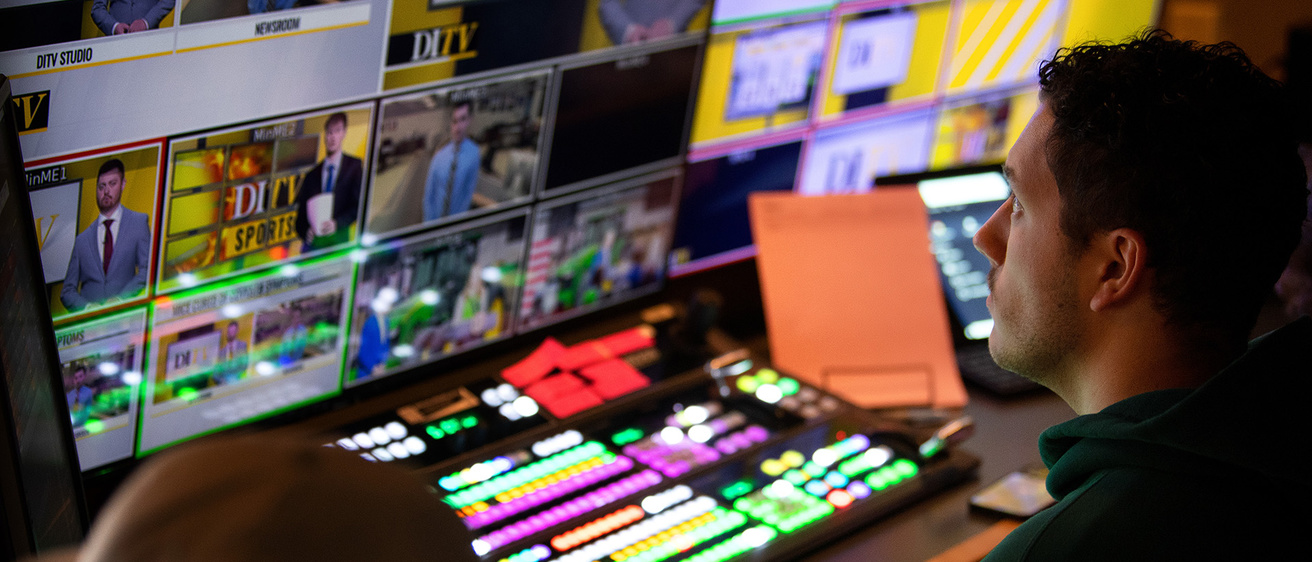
x=79, y=377
x=332, y=137
x=1034, y=296
x=459, y=123
x=109, y=190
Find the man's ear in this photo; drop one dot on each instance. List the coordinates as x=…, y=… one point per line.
x=1122, y=261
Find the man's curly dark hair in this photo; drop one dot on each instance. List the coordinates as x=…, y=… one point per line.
x=1192, y=146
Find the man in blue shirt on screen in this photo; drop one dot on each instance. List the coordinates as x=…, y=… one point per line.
x=1156, y=196
x=453, y=172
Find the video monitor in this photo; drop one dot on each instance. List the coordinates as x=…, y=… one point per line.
x=241, y=199
x=730, y=12
x=84, y=204
x=759, y=79
x=958, y=205
x=1000, y=42
x=431, y=296
x=101, y=361
x=886, y=58
x=980, y=129
x=847, y=158
x=621, y=117
x=40, y=494
x=713, y=226
x=226, y=355
x=450, y=153
x=598, y=248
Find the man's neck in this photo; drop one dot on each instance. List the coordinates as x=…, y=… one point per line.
x=110, y=213
x=1131, y=361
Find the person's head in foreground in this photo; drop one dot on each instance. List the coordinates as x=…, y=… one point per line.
x=1156, y=196
x=273, y=498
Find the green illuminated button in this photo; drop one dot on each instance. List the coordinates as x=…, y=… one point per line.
x=767, y=375
x=797, y=477
x=627, y=436
x=904, y=468
x=737, y=489
x=789, y=386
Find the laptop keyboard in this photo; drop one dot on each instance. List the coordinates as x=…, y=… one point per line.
x=977, y=366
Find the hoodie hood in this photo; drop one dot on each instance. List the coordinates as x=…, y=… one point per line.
x=1245, y=423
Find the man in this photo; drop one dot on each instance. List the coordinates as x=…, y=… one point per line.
x=233, y=357
x=79, y=395
x=634, y=21
x=1156, y=196
x=375, y=344
x=111, y=258
x=453, y=172
x=117, y=17
x=295, y=338
x=333, y=183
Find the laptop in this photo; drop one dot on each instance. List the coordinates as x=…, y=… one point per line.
x=959, y=202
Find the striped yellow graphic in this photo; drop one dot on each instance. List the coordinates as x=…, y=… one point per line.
x=1001, y=41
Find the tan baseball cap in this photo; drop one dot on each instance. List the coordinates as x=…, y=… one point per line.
x=273, y=498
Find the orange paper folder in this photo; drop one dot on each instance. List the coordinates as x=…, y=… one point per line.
x=852, y=296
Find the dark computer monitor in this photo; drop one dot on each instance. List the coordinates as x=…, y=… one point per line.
x=959, y=202
x=40, y=485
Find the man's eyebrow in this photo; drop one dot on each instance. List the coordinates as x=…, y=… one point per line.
x=1009, y=174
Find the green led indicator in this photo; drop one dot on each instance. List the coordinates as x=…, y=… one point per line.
x=434, y=432
x=627, y=436
x=188, y=393
x=767, y=375
x=449, y=425
x=797, y=477
x=469, y=421
x=789, y=386
x=904, y=468
x=94, y=426
x=737, y=489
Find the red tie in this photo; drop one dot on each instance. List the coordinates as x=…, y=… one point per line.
x=109, y=244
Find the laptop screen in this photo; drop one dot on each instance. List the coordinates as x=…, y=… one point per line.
x=958, y=206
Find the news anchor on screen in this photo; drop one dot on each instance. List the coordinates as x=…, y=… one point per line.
x=121, y=16
x=111, y=258
x=329, y=200
x=453, y=172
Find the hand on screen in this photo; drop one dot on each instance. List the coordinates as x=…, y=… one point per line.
x=120, y=28
x=634, y=33
x=327, y=227
x=663, y=27
x=138, y=25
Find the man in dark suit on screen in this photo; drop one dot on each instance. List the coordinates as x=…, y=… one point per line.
x=111, y=258
x=332, y=187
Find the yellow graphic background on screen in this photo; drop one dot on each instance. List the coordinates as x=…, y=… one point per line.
x=709, y=121
x=1107, y=20
x=140, y=179
x=932, y=21
x=409, y=16
x=959, y=138
x=1001, y=42
x=203, y=252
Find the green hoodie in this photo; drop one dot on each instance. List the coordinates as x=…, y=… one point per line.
x=1212, y=473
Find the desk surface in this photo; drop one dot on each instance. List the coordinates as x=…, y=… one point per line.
x=1005, y=439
